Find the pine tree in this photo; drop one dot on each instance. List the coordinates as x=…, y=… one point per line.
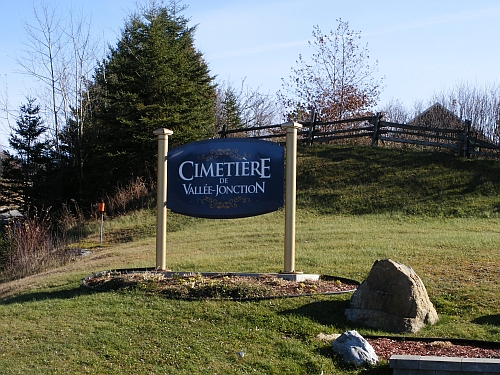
x=232, y=111
x=26, y=169
x=154, y=78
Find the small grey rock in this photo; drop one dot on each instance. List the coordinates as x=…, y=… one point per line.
x=355, y=349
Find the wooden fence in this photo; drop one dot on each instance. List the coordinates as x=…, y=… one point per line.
x=374, y=131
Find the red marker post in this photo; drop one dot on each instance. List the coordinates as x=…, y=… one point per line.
x=100, y=208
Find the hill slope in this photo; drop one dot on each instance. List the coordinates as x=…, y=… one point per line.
x=52, y=325
x=373, y=180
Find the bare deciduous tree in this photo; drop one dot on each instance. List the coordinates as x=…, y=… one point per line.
x=480, y=105
x=61, y=55
x=241, y=106
x=394, y=111
x=43, y=56
x=6, y=112
x=338, y=83
x=465, y=102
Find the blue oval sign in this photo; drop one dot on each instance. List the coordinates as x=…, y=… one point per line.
x=225, y=178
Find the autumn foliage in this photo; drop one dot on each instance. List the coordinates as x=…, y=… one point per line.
x=337, y=83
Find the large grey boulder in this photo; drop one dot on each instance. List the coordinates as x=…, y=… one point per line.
x=354, y=349
x=392, y=298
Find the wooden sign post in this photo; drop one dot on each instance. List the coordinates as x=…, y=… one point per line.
x=161, y=199
x=290, y=194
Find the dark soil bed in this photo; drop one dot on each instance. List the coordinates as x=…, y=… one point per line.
x=223, y=286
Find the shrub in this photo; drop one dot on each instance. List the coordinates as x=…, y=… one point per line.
x=30, y=248
x=135, y=195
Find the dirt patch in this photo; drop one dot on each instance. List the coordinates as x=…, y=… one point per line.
x=224, y=286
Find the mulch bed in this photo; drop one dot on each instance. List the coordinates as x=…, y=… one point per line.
x=223, y=286
x=385, y=347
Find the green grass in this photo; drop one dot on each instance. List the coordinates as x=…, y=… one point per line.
x=50, y=325
x=365, y=180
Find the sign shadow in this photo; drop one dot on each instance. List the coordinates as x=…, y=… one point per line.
x=40, y=296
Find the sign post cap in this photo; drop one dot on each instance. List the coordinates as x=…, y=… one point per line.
x=163, y=131
x=291, y=124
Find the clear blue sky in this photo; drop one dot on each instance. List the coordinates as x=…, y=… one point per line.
x=423, y=46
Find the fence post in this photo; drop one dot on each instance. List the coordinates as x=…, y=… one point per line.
x=467, y=126
x=312, y=125
x=376, y=121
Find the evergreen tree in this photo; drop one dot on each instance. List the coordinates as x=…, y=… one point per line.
x=231, y=110
x=227, y=110
x=154, y=78
x=27, y=169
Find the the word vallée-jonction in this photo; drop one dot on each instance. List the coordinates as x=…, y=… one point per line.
x=225, y=178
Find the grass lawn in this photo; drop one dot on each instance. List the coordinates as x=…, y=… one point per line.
x=51, y=325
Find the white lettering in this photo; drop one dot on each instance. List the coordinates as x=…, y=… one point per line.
x=205, y=172
x=254, y=168
x=245, y=168
x=262, y=187
x=181, y=171
x=232, y=163
x=264, y=168
x=188, y=189
x=241, y=189
x=189, y=170
x=220, y=171
x=198, y=190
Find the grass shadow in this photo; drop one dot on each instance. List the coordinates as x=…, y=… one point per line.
x=324, y=312
x=493, y=320
x=42, y=296
x=377, y=370
x=380, y=369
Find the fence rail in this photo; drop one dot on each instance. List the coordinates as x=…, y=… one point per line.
x=376, y=130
